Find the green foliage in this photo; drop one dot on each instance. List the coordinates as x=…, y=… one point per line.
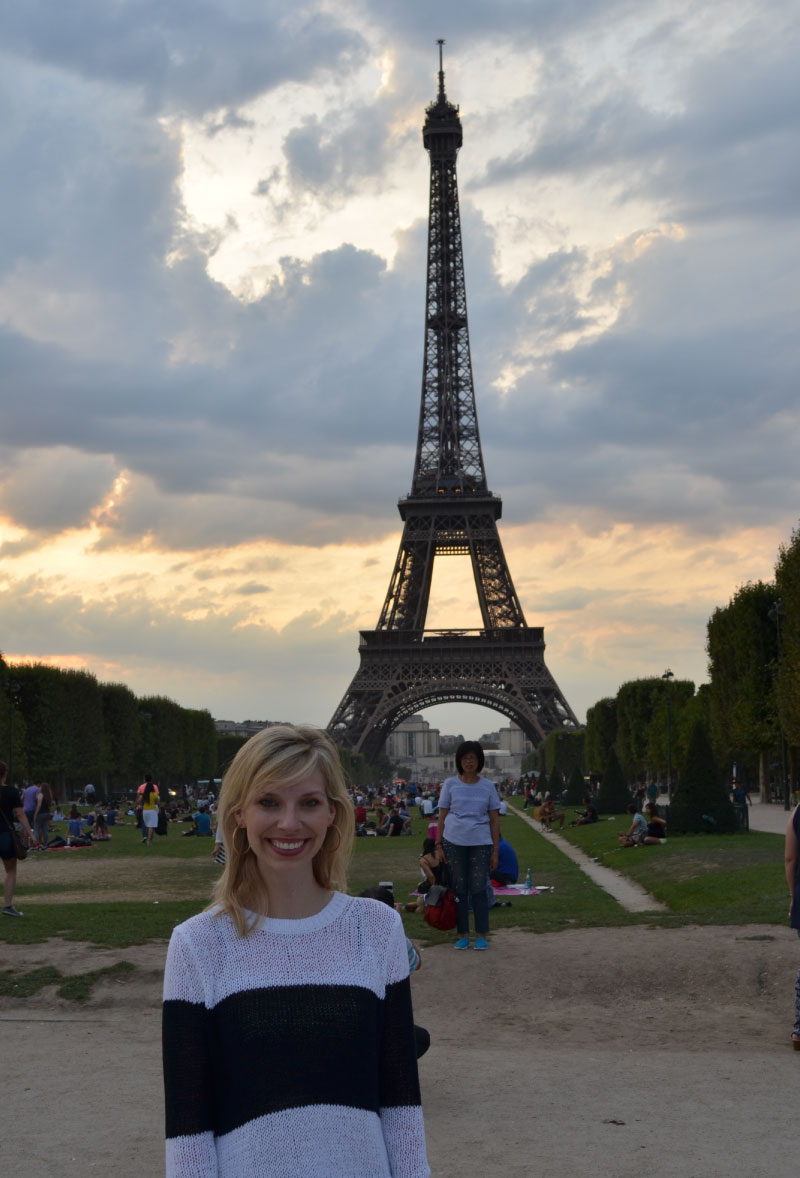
x=227, y=748
x=787, y=584
x=121, y=726
x=542, y=783
x=555, y=785
x=14, y=984
x=70, y=730
x=12, y=725
x=742, y=655
x=701, y=803
x=641, y=743
x=359, y=771
x=563, y=750
x=78, y=987
x=576, y=788
x=600, y=734
x=613, y=796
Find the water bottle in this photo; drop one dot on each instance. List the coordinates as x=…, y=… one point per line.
x=528, y=880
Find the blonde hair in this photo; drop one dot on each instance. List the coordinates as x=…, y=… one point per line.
x=280, y=755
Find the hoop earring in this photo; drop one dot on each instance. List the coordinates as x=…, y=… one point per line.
x=335, y=828
x=235, y=847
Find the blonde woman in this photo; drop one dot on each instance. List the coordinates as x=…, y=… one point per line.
x=288, y=1031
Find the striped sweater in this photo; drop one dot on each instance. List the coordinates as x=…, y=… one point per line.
x=290, y=1053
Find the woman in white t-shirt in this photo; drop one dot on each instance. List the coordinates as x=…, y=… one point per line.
x=467, y=839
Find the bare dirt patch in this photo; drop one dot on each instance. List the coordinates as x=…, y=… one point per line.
x=615, y=1053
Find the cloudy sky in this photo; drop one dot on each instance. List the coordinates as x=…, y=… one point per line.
x=211, y=313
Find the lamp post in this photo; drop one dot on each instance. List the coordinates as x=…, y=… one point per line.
x=667, y=676
x=776, y=615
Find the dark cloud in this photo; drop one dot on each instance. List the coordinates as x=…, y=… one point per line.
x=189, y=56
x=295, y=416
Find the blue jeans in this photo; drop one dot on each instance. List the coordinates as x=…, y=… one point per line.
x=469, y=879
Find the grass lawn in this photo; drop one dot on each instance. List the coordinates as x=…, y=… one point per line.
x=121, y=893
x=702, y=878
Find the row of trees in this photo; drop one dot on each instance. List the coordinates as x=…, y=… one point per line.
x=67, y=728
x=748, y=712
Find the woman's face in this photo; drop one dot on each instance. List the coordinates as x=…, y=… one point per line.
x=469, y=764
x=286, y=826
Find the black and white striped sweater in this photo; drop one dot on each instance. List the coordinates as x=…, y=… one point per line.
x=290, y=1053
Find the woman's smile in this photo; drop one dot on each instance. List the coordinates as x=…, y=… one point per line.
x=289, y=822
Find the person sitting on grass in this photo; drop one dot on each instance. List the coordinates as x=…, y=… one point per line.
x=588, y=816
x=75, y=824
x=507, y=870
x=100, y=833
x=656, y=826
x=201, y=825
x=636, y=833
x=548, y=814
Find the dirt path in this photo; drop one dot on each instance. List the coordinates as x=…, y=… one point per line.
x=615, y=1053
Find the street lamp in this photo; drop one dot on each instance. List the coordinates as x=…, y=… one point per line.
x=776, y=615
x=667, y=676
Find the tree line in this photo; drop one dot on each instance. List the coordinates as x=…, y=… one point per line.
x=749, y=710
x=65, y=727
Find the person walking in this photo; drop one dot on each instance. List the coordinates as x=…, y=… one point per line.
x=467, y=838
x=287, y=1023
x=149, y=800
x=792, y=856
x=11, y=811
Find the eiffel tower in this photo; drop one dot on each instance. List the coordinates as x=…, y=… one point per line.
x=450, y=510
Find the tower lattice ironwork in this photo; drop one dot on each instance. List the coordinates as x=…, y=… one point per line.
x=450, y=510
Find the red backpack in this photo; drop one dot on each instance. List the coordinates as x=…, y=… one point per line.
x=440, y=908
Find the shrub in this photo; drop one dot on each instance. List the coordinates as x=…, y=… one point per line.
x=576, y=788
x=613, y=796
x=701, y=804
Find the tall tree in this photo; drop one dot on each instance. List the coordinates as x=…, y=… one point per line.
x=563, y=750
x=121, y=727
x=83, y=706
x=639, y=705
x=742, y=649
x=787, y=584
x=601, y=733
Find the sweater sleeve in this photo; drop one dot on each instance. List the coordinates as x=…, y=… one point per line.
x=401, y=1108
x=188, y=1075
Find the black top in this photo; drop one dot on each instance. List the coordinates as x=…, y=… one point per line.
x=10, y=800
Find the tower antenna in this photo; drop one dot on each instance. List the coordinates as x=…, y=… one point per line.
x=440, y=43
